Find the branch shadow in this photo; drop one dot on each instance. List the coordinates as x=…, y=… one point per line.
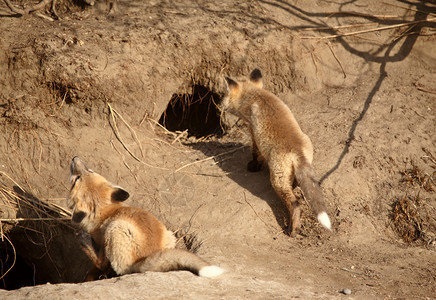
x=383, y=55
x=10, y=15
x=235, y=167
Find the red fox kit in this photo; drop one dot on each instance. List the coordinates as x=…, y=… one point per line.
x=126, y=239
x=278, y=139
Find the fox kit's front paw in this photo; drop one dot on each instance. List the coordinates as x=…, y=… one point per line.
x=84, y=238
x=254, y=166
x=87, y=243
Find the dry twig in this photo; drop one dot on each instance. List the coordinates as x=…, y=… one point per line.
x=16, y=220
x=354, y=13
x=312, y=54
x=429, y=155
x=118, y=136
x=337, y=59
x=339, y=26
x=354, y=272
x=257, y=215
x=117, y=133
x=37, y=13
x=409, y=8
x=7, y=176
x=368, y=30
x=162, y=127
x=124, y=161
x=130, y=128
x=180, y=135
x=209, y=158
x=420, y=88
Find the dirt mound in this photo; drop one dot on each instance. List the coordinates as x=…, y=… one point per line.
x=133, y=89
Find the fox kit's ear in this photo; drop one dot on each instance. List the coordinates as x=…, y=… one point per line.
x=231, y=84
x=256, y=78
x=119, y=194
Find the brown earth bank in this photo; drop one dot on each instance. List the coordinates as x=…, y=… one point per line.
x=132, y=89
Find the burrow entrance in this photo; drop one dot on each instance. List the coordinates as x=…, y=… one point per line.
x=19, y=266
x=196, y=112
x=20, y=272
x=29, y=258
x=38, y=243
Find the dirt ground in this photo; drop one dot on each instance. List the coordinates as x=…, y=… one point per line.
x=96, y=82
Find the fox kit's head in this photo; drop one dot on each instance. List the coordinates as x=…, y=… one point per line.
x=89, y=193
x=237, y=90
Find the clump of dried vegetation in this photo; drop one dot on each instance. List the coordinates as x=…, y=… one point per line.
x=413, y=217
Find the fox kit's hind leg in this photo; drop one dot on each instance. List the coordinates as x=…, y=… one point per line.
x=281, y=181
x=120, y=240
x=256, y=164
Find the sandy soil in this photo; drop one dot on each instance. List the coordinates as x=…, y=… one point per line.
x=95, y=85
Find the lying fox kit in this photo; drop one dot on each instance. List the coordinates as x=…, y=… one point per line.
x=123, y=238
x=278, y=139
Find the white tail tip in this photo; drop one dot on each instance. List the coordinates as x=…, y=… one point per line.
x=210, y=271
x=324, y=220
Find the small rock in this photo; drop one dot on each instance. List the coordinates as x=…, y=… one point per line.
x=346, y=292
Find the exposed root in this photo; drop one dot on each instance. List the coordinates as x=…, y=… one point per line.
x=28, y=10
x=44, y=6
x=15, y=255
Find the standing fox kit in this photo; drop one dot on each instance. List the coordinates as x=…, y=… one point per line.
x=126, y=239
x=278, y=139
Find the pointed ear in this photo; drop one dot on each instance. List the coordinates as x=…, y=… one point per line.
x=78, y=216
x=119, y=194
x=231, y=84
x=256, y=78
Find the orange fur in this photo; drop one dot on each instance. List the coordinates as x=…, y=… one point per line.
x=126, y=239
x=278, y=139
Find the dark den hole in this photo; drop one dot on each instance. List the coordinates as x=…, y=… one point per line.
x=196, y=112
x=22, y=273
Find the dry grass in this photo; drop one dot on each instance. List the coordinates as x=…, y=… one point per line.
x=29, y=208
x=413, y=217
x=191, y=241
x=22, y=211
x=416, y=177
x=407, y=220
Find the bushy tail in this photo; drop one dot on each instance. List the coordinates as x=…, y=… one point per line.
x=176, y=259
x=312, y=191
